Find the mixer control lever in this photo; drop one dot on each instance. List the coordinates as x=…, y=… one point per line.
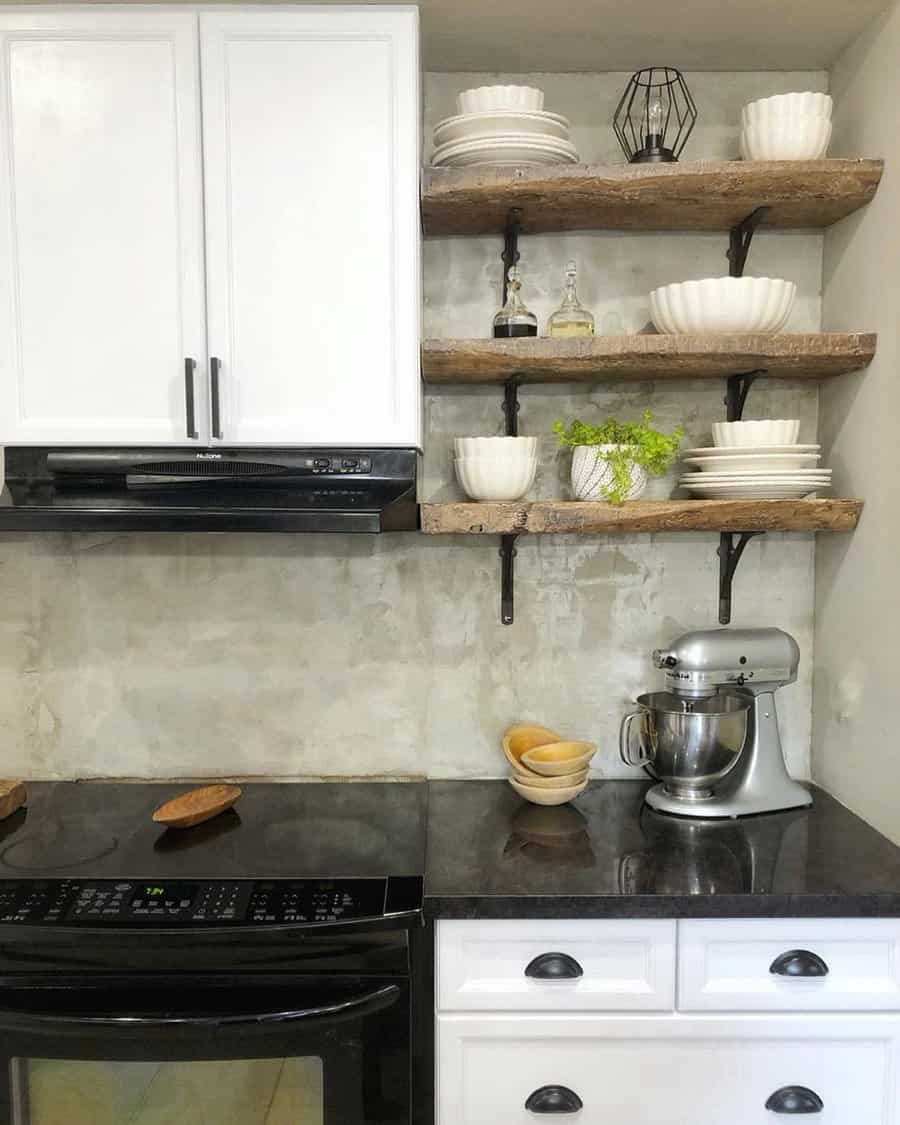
x=663, y=659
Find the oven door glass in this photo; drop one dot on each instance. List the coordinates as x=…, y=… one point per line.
x=320, y=1051
x=243, y=1092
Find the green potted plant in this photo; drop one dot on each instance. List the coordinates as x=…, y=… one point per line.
x=613, y=461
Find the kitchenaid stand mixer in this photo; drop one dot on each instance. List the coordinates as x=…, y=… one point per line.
x=712, y=736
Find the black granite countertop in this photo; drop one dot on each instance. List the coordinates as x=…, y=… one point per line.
x=492, y=855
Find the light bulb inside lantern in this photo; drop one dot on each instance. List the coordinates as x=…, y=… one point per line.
x=654, y=116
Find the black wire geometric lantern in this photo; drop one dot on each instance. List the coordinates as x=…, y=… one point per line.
x=655, y=116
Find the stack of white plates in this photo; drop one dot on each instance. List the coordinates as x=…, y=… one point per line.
x=502, y=125
x=754, y=472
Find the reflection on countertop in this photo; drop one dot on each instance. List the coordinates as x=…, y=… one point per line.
x=492, y=855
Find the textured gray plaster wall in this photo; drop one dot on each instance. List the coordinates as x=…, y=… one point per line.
x=193, y=655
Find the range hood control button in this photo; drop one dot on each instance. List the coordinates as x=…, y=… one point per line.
x=322, y=464
x=350, y=463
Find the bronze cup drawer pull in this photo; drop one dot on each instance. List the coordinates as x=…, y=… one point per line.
x=554, y=1099
x=795, y=1099
x=799, y=963
x=554, y=966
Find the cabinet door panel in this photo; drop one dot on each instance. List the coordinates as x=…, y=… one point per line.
x=101, y=281
x=650, y=1071
x=311, y=160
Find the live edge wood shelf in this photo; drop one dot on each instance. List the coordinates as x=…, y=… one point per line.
x=802, y=355
x=704, y=195
x=561, y=517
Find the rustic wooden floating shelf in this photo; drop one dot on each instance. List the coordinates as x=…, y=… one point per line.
x=803, y=355
x=699, y=196
x=563, y=517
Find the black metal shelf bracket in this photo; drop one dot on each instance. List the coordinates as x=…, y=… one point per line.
x=739, y=239
x=507, y=577
x=511, y=233
x=737, y=389
x=730, y=553
x=508, y=542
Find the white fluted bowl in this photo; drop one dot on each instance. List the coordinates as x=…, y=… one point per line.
x=592, y=474
x=802, y=139
x=756, y=433
x=486, y=99
x=795, y=106
x=723, y=304
x=495, y=478
x=495, y=447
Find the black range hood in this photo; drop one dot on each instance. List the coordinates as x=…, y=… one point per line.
x=290, y=490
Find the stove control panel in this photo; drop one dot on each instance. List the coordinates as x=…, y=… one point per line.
x=149, y=903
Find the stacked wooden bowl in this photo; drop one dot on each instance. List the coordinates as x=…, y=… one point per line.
x=546, y=769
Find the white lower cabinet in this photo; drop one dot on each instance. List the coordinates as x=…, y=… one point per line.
x=770, y=1019
x=676, y=1070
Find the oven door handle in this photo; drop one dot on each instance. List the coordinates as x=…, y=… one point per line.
x=352, y=1008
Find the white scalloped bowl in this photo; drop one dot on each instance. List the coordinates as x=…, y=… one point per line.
x=521, y=447
x=494, y=478
x=723, y=304
x=802, y=139
x=756, y=433
x=487, y=99
x=795, y=106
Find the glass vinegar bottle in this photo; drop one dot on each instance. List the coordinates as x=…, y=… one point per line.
x=514, y=319
x=571, y=318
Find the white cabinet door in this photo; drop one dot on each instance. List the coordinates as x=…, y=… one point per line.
x=789, y=964
x=311, y=125
x=101, y=253
x=568, y=964
x=666, y=1070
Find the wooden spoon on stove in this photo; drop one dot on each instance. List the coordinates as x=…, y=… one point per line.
x=197, y=806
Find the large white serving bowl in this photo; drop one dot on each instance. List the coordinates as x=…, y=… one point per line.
x=495, y=447
x=723, y=304
x=487, y=99
x=801, y=139
x=468, y=126
x=756, y=433
x=805, y=104
x=485, y=478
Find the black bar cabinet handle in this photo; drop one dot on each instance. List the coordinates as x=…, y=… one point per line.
x=355, y=1008
x=554, y=966
x=554, y=1099
x=189, y=366
x=795, y=1099
x=214, y=365
x=799, y=963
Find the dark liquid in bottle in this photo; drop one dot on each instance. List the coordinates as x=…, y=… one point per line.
x=505, y=331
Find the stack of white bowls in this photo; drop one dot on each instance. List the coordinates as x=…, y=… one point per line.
x=755, y=461
x=496, y=468
x=786, y=127
x=723, y=305
x=502, y=125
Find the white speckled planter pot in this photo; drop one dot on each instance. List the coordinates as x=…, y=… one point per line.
x=590, y=474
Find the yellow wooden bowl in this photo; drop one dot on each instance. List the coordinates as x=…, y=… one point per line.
x=538, y=782
x=554, y=759
x=525, y=736
x=548, y=796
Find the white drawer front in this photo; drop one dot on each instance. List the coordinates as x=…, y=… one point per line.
x=727, y=965
x=663, y=1070
x=625, y=965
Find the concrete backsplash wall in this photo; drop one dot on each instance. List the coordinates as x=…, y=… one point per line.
x=197, y=655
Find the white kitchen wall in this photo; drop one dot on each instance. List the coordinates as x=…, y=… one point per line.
x=196, y=655
x=857, y=587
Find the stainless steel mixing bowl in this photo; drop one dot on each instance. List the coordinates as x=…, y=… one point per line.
x=689, y=744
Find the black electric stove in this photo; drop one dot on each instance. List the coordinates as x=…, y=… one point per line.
x=88, y=855
x=275, y=938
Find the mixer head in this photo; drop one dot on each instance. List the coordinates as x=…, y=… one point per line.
x=703, y=661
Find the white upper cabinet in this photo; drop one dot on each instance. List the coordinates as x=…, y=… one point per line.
x=311, y=124
x=303, y=199
x=101, y=252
